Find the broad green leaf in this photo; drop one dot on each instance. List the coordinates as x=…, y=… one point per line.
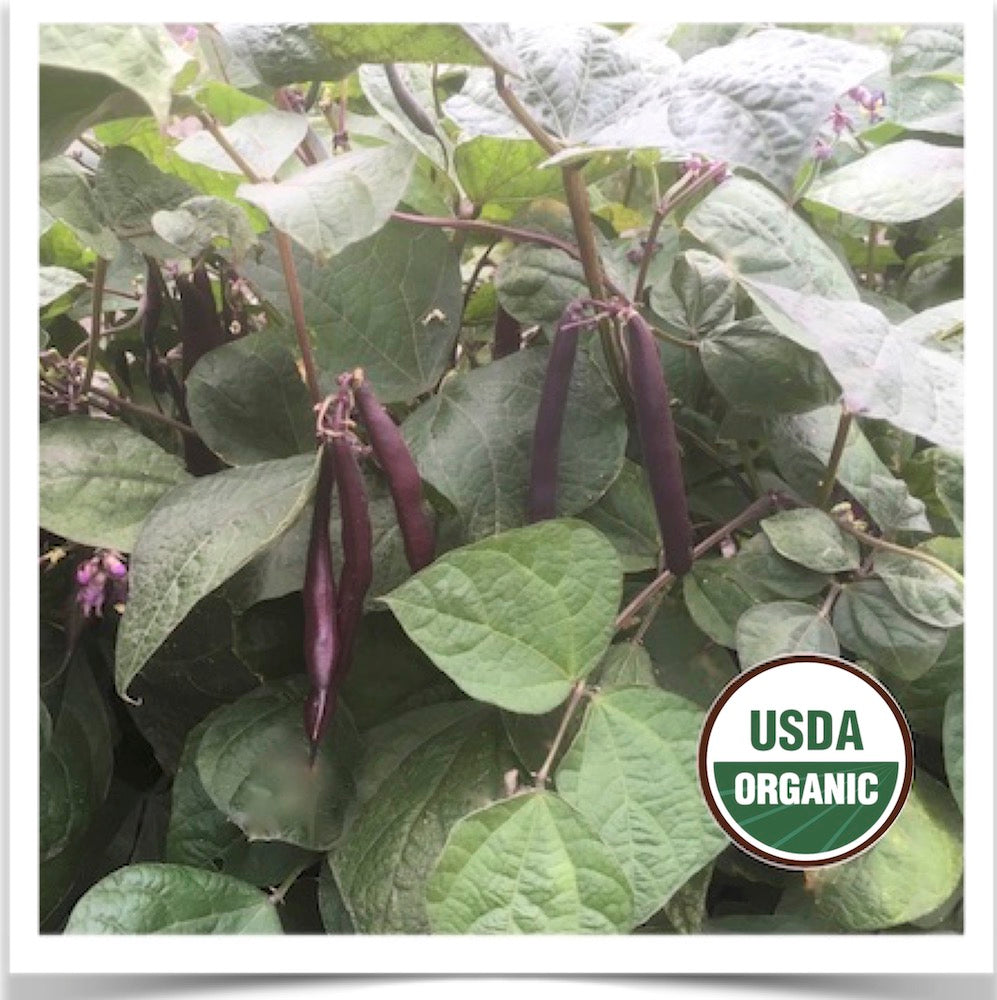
x=699, y=296
x=422, y=772
x=64, y=194
x=812, y=538
x=759, y=371
x=129, y=190
x=99, y=479
x=195, y=671
x=94, y=72
x=926, y=104
x=801, y=446
x=626, y=664
x=247, y=401
x=172, y=899
x=625, y=515
x=870, y=622
x=689, y=40
x=925, y=592
x=781, y=627
x=528, y=865
x=144, y=135
x=579, y=78
x=952, y=745
x=758, y=560
x=930, y=48
x=504, y=171
x=385, y=42
x=516, y=619
x=373, y=307
x=196, y=537
x=284, y=53
x=910, y=872
x=882, y=373
x=266, y=141
x=75, y=765
x=742, y=102
x=897, y=183
x=760, y=237
x=197, y=223
x=472, y=440
x=199, y=834
x=55, y=282
x=253, y=761
x=534, y=284
x=631, y=772
x=418, y=81
x=335, y=204
x=716, y=595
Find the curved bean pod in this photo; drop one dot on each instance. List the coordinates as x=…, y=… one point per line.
x=659, y=443
x=392, y=454
x=321, y=637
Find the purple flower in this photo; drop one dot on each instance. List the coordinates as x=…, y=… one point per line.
x=839, y=120
x=822, y=149
x=102, y=579
x=870, y=100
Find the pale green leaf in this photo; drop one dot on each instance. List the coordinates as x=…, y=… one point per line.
x=897, y=183
x=99, y=479
x=528, y=865
x=516, y=619
x=812, y=538
x=631, y=772
x=768, y=630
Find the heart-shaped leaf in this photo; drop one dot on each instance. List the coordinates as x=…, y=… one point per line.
x=516, y=619
x=172, y=899
x=528, y=865
x=88, y=487
x=631, y=772
x=195, y=538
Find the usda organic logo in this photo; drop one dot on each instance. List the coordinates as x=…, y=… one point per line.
x=805, y=760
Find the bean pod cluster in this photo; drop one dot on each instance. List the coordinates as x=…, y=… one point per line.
x=333, y=609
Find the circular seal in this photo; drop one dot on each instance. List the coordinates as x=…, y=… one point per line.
x=805, y=760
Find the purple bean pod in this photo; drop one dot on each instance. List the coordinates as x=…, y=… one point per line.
x=659, y=443
x=321, y=637
x=541, y=504
x=392, y=454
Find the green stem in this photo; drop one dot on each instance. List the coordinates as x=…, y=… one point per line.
x=880, y=543
x=837, y=450
x=577, y=692
x=278, y=894
x=96, y=311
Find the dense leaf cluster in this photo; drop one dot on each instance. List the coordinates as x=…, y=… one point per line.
x=514, y=748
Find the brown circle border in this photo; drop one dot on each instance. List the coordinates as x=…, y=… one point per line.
x=780, y=661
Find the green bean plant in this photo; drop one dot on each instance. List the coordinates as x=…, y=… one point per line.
x=435, y=418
